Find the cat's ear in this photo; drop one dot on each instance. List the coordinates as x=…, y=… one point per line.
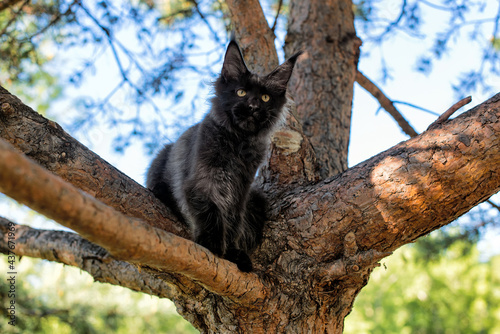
x=281, y=74
x=234, y=65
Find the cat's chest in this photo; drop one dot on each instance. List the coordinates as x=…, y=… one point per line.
x=232, y=155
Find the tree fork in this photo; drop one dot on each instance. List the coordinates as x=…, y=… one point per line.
x=291, y=159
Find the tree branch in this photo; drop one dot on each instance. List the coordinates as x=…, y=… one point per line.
x=291, y=158
x=405, y=192
x=125, y=238
x=385, y=103
x=280, y=3
x=48, y=144
x=330, y=57
x=447, y=114
x=71, y=249
x=8, y=3
x=493, y=204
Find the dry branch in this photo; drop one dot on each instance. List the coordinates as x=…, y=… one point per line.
x=447, y=114
x=125, y=238
x=71, y=249
x=385, y=103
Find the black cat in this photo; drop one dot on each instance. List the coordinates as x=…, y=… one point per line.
x=206, y=176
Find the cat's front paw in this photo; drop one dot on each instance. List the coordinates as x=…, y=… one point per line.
x=212, y=245
x=241, y=259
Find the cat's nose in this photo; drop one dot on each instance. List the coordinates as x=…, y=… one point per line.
x=253, y=106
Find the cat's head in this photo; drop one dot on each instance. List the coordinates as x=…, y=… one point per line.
x=246, y=102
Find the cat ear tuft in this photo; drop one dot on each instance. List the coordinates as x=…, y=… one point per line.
x=234, y=65
x=282, y=73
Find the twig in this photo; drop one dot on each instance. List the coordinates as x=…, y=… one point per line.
x=123, y=72
x=396, y=22
x=416, y=107
x=204, y=19
x=385, y=103
x=277, y=15
x=490, y=202
x=449, y=112
x=57, y=18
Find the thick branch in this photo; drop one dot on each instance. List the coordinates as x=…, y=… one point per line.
x=405, y=192
x=48, y=144
x=291, y=159
x=71, y=249
x=125, y=238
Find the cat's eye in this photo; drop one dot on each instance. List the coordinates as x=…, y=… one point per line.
x=241, y=92
x=266, y=98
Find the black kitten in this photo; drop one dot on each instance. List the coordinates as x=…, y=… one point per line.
x=206, y=176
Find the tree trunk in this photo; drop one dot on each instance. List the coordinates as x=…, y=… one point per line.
x=322, y=84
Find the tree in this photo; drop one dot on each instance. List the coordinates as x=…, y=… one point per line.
x=329, y=225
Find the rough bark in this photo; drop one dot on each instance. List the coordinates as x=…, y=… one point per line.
x=324, y=238
x=254, y=35
x=71, y=249
x=322, y=84
x=290, y=146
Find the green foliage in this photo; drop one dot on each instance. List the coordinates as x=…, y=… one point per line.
x=52, y=298
x=455, y=293
x=495, y=42
x=25, y=52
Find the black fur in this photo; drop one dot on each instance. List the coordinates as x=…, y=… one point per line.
x=207, y=175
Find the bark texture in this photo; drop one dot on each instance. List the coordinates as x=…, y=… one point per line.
x=290, y=147
x=71, y=249
x=254, y=35
x=124, y=237
x=322, y=84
